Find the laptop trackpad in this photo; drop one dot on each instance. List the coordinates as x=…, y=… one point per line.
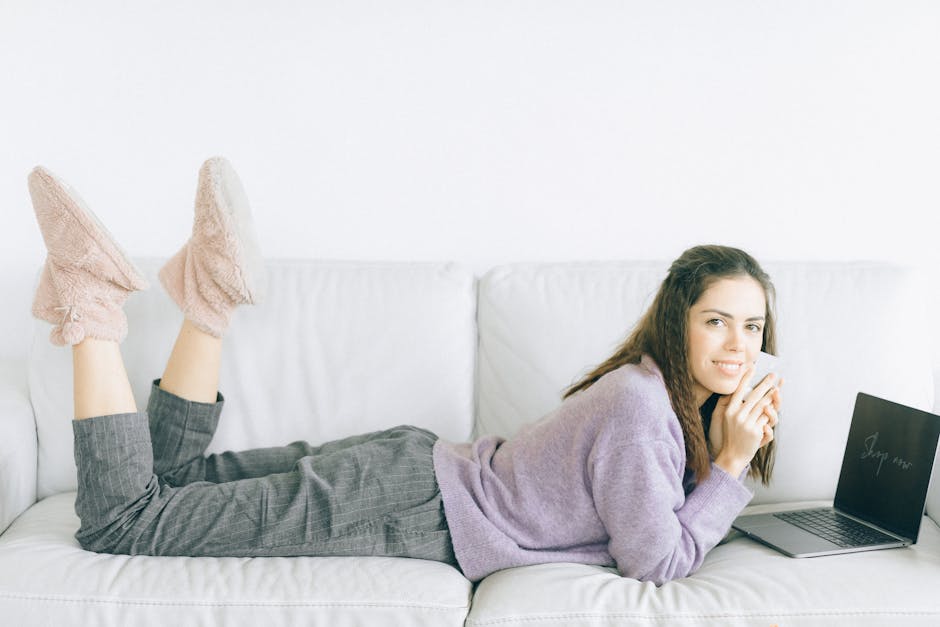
x=783, y=536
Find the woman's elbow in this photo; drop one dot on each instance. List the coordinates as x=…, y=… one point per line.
x=659, y=572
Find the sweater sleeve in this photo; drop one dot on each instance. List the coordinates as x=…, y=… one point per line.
x=657, y=533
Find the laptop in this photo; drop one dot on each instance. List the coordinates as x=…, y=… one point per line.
x=882, y=489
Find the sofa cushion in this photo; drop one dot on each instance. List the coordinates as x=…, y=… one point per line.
x=337, y=348
x=46, y=579
x=740, y=583
x=843, y=328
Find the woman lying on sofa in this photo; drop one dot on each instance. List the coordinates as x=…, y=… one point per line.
x=640, y=467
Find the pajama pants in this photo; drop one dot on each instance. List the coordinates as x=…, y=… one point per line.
x=145, y=486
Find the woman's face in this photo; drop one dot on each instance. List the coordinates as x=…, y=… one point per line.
x=726, y=330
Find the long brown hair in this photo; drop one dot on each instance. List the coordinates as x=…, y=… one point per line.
x=662, y=333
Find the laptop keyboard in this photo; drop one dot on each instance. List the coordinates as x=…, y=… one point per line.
x=834, y=527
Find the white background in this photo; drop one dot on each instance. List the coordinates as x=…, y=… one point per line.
x=483, y=132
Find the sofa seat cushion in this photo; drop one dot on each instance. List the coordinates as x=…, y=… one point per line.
x=740, y=583
x=46, y=579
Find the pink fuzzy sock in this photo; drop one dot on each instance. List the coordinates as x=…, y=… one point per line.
x=87, y=276
x=220, y=267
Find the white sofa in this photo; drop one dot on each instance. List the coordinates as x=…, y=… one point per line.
x=341, y=348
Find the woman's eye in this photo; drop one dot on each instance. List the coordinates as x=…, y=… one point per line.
x=756, y=328
x=715, y=322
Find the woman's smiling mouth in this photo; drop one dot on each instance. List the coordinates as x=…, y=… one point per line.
x=730, y=368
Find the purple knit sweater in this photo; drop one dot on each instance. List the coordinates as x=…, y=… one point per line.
x=600, y=480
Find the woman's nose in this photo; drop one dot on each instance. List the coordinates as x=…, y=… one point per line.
x=735, y=340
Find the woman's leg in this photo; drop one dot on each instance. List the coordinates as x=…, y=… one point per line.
x=313, y=504
x=85, y=281
x=378, y=498
x=184, y=411
x=192, y=372
x=101, y=386
x=219, y=268
x=184, y=406
x=122, y=505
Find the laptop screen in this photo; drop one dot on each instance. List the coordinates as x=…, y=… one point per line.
x=888, y=460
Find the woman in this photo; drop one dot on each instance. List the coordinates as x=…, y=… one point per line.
x=640, y=467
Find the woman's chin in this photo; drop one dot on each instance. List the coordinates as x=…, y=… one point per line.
x=724, y=390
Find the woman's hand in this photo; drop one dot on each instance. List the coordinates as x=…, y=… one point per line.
x=741, y=424
x=716, y=429
x=771, y=411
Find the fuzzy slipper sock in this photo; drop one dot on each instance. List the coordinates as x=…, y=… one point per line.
x=220, y=267
x=87, y=276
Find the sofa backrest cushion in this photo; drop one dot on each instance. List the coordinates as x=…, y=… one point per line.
x=843, y=328
x=335, y=349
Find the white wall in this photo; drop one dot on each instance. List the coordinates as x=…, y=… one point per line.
x=483, y=132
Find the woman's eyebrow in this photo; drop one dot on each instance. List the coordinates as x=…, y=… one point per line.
x=729, y=316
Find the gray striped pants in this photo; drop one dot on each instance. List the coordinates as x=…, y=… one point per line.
x=145, y=486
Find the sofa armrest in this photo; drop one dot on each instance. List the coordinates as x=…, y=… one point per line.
x=18, y=445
